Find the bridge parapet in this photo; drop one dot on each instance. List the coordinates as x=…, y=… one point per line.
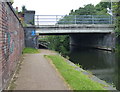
x=73, y=19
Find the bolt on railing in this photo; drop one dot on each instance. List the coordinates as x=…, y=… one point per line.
x=72, y=19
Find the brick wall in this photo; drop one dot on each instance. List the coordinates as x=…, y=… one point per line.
x=11, y=42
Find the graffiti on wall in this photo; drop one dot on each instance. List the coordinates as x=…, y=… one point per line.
x=9, y=45
x=12, y=42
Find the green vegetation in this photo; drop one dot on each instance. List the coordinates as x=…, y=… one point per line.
x=76, y=79
x=101, y=8
x=58, y=43
x=79, y=65
x=118, y=49
x=117, y=15
x=89, y=9
x=23, y=9
x=30, y=50
x=116, y=8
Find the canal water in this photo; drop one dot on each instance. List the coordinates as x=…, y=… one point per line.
x=103, y=64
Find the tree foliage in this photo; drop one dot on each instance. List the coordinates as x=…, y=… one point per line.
x=59, y=43
x=89, y=9
x=101, y=8
x=24, y=8
x=117, y=15
x=86, y=10
x=116, y=11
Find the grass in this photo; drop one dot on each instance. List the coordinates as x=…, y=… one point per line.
x=30, y=50
x=76, y=79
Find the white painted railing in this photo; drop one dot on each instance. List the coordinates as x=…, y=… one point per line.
x=72, y=19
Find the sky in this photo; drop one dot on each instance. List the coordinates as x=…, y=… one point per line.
x=52, y=7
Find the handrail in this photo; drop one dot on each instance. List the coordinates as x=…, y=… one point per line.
x=73, y=19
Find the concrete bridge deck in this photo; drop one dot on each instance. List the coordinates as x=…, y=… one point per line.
x=74, y=28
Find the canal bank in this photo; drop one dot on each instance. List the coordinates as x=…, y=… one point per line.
x=103, y=64
x=71, y=71
x=36, y=76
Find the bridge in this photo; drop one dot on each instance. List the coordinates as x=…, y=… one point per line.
x=59, y=24
x=84, y=30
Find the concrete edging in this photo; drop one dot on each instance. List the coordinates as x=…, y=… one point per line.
x=92, y=77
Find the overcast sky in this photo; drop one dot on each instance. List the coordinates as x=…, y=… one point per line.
x=52, y=7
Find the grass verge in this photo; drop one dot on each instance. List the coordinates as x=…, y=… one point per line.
x=76, y=79
x=30, y=50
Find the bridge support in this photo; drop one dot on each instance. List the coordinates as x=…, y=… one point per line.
x=31, y=40
x=94, y=40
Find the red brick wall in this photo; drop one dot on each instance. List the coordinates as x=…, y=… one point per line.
x=11, y=42
x=0, y=46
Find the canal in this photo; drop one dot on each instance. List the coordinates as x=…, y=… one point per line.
x=103, y=64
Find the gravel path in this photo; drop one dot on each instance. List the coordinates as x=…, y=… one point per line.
x=38, y=74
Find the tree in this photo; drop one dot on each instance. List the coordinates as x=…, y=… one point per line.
x=89, y=9
x=24, y=8
x=101, y=8
x=59, y=43
x=116, y=7
x=86, y=10
x=116, y=11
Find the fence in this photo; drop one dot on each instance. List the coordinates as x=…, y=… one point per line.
x=73, y=19
x=11, y=42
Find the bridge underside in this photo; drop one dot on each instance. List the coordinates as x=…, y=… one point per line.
x=40, y=34
x=94, y=40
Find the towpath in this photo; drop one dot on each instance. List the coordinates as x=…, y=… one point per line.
x=37, y=73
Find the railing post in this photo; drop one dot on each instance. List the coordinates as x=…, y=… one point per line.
x=75, y=19
x=93, y=19
x=38, y=20
x=111, y=19
x=56, y=18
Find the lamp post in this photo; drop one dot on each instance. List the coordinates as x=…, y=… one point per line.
x=111, y=5
x=111, y=11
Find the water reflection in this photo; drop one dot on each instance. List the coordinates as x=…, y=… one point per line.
x=103, y=64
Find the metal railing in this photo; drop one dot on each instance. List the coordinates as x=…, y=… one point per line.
x=44, y=43
x=73, y=19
